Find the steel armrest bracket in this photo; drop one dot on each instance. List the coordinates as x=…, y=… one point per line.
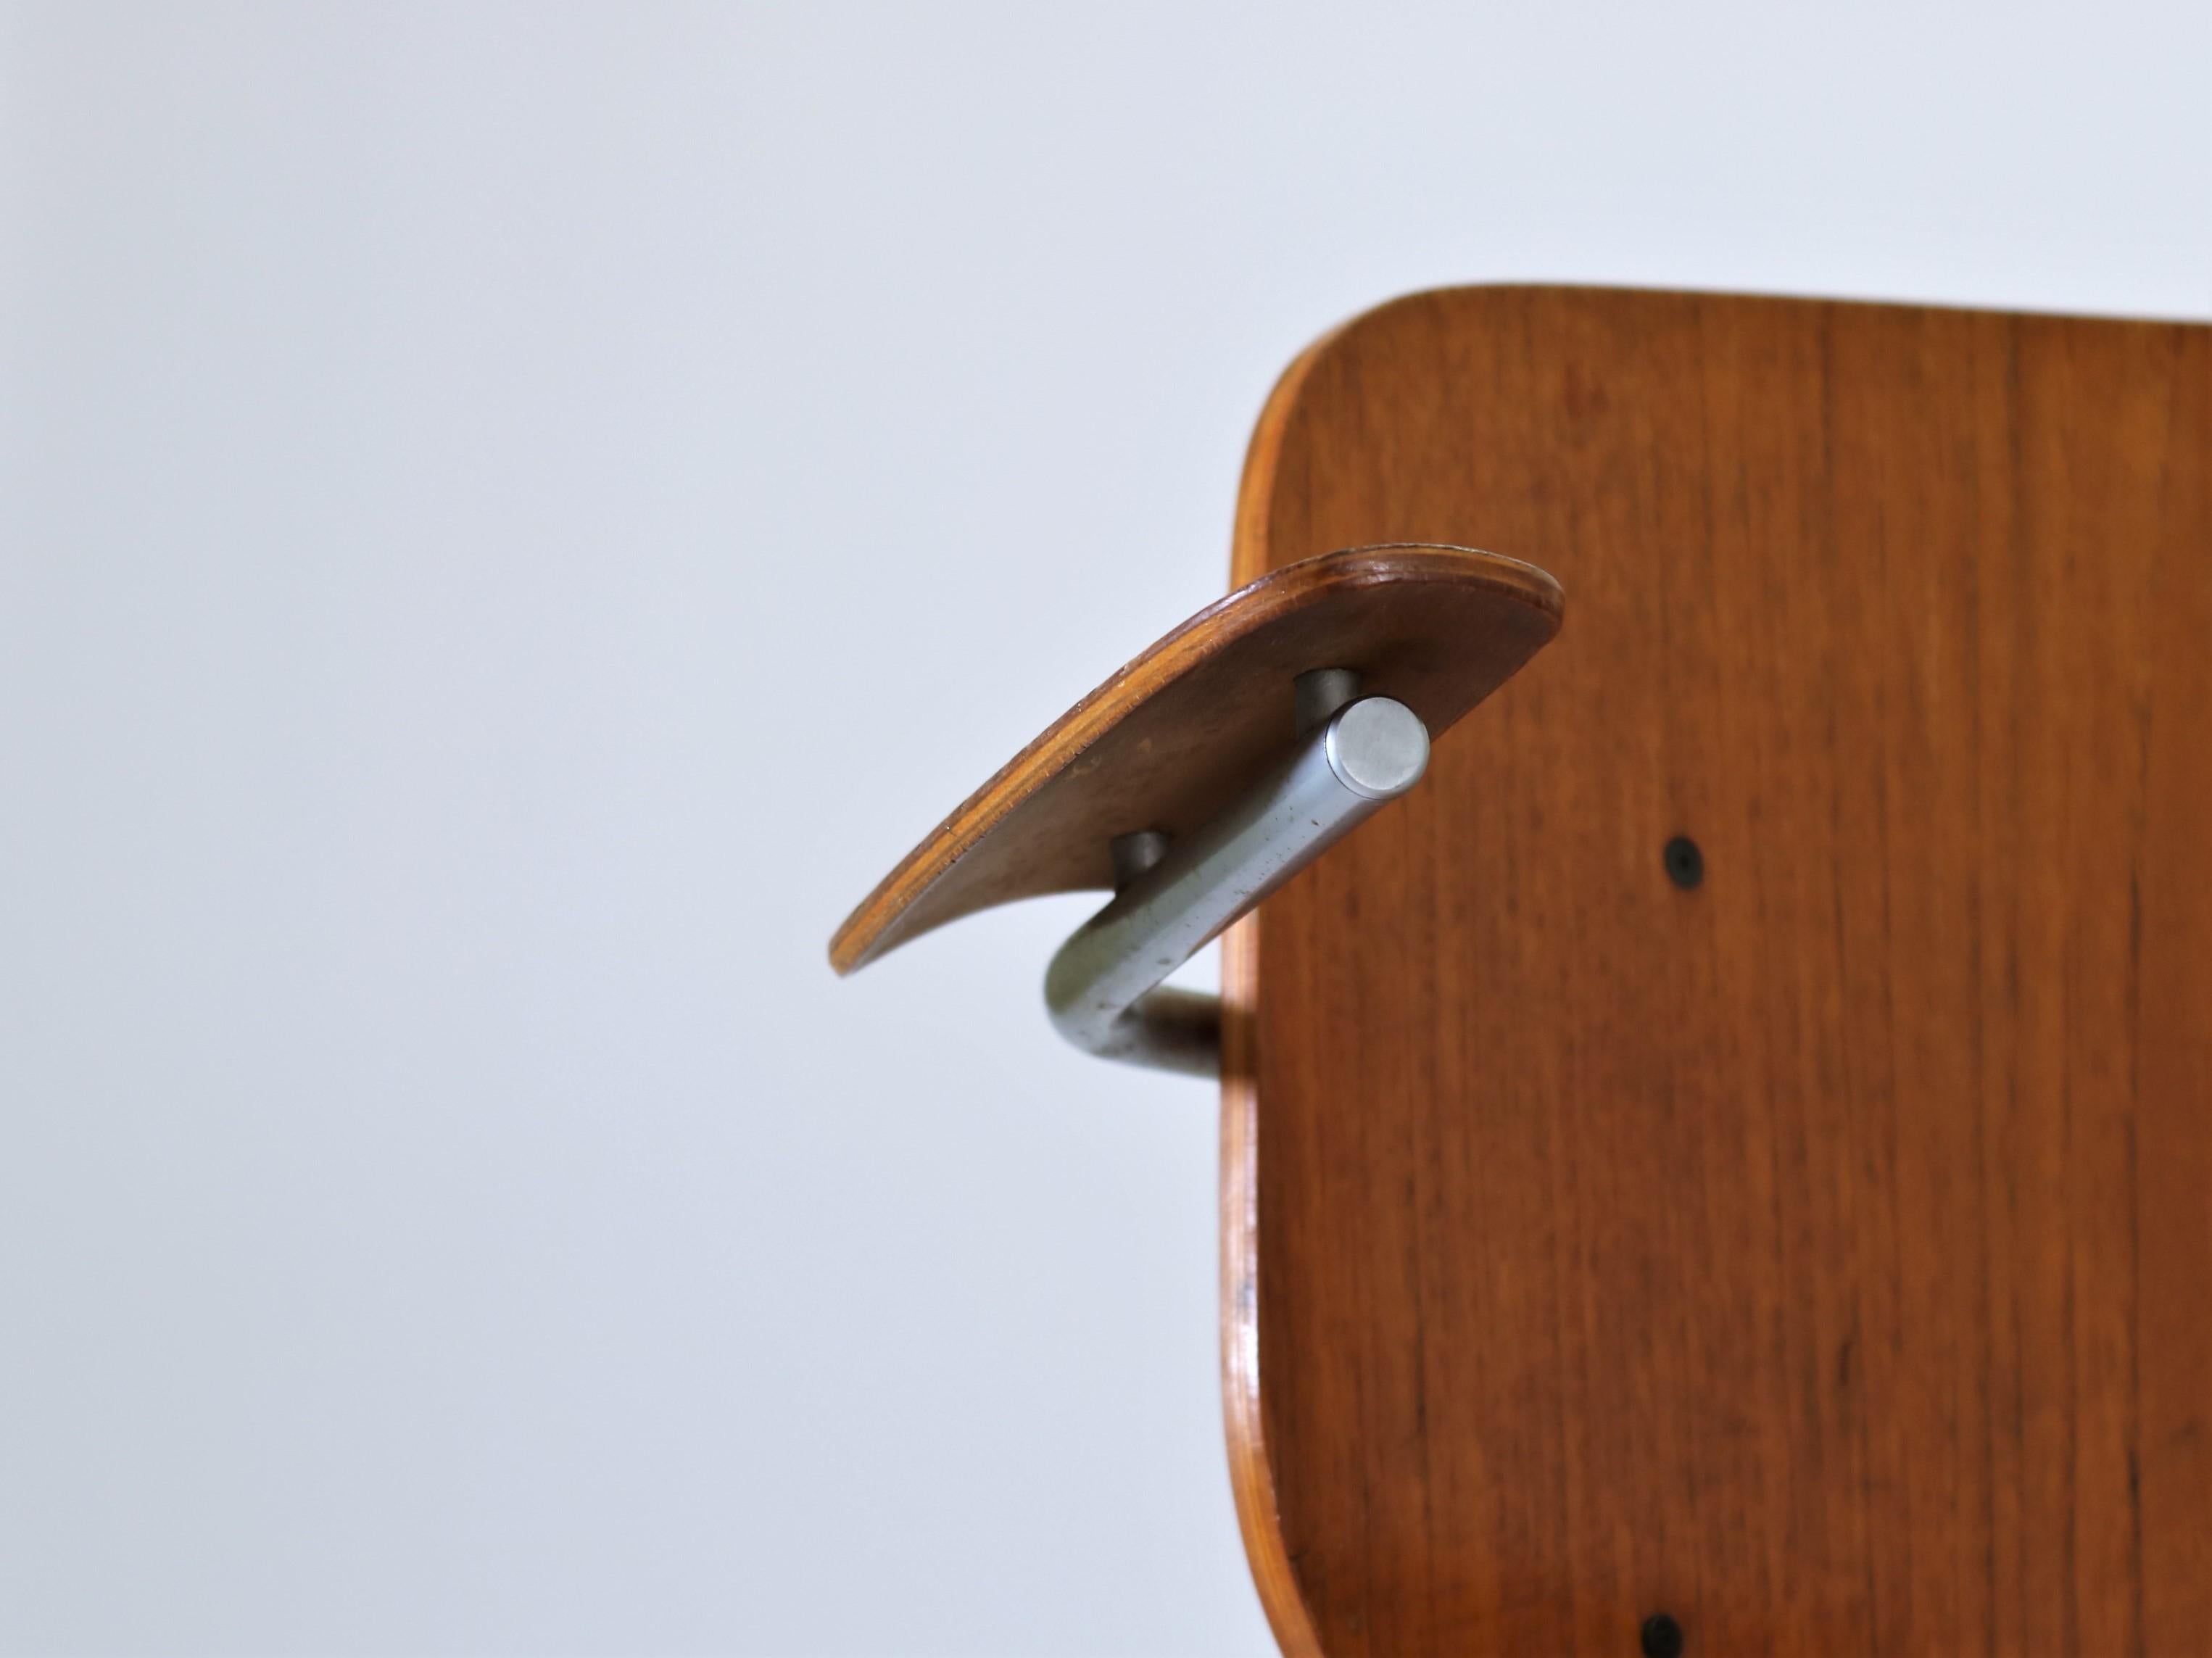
x=1354, y=755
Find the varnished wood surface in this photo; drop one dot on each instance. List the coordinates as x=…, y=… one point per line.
x=1820, y=1256
x=1173, y=736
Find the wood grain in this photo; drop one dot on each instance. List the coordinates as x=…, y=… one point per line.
x=1820, y=1256
x=1172, y=737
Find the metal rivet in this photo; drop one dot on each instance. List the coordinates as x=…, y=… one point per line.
x=1686, y=865
x=1662, y=1637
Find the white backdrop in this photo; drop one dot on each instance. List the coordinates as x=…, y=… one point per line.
x=513, y=518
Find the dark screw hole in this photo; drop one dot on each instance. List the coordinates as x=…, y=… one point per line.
x=1686, y=865
x=1662, y=1635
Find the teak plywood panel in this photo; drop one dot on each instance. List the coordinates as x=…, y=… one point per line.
x=1819, y=1255
x=1177, y=733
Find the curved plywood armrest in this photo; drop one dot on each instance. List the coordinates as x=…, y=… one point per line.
x=1200, y=750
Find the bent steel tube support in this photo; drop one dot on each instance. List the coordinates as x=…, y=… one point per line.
x=1103, y=989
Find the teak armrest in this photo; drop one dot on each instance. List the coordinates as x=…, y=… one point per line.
x=1211, y=769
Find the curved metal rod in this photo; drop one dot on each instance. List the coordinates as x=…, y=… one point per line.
x=1102, y=988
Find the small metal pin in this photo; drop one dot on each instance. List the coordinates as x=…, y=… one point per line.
x=1135, y=854
x=1320, y=692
